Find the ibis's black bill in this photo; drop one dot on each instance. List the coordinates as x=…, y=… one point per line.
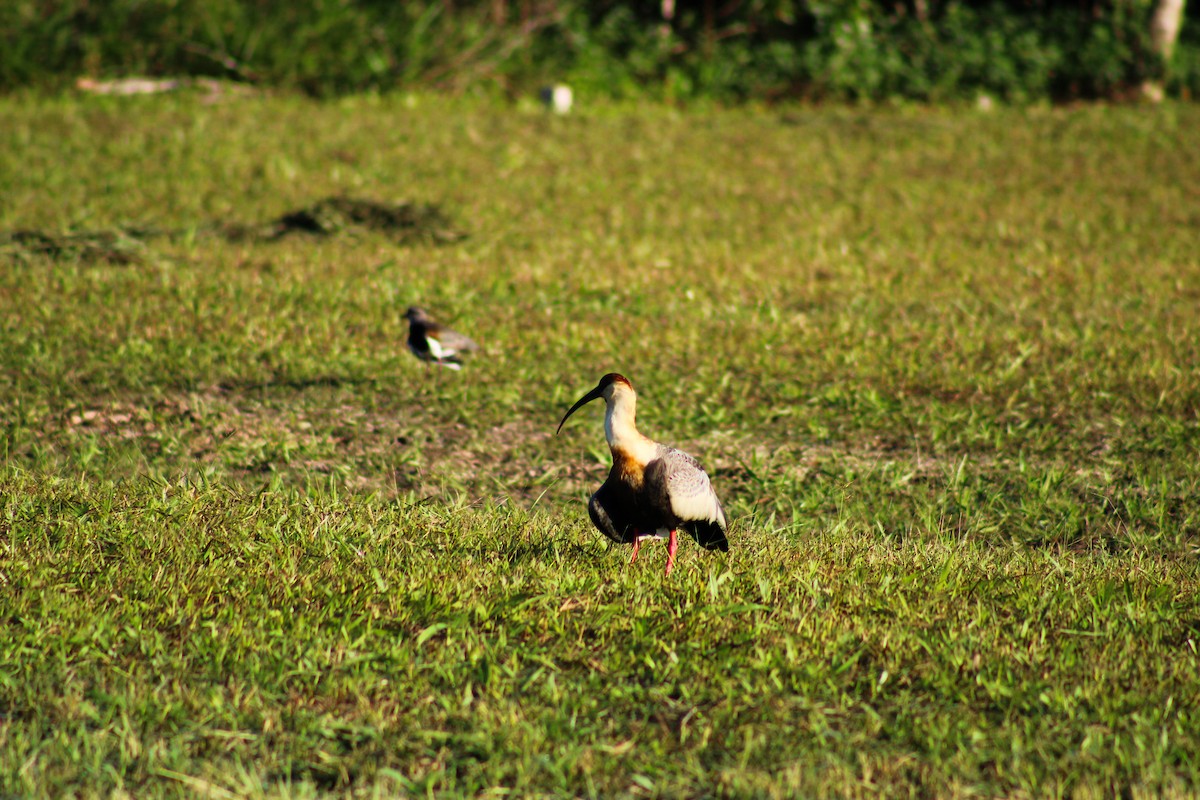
x=583, y=401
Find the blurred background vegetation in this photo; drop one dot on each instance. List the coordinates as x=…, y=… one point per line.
x=727, y=50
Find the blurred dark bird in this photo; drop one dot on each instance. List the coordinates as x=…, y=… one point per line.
x=652, y=490
x=433, y=343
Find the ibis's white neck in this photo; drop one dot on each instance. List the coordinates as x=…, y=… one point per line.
x=620, y=428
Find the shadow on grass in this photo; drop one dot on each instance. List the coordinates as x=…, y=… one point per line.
x=404, y=223
x=516, y=553
x=115, y=246
x=296, y=384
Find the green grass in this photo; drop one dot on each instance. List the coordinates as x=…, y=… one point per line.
x=943, y=367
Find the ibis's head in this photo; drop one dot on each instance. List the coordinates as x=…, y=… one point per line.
x=611, y=386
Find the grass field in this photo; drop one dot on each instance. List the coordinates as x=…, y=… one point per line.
x=943, y=367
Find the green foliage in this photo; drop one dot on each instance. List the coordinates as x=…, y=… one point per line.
x=765, y=49
x=942, y=367
x=320, y=46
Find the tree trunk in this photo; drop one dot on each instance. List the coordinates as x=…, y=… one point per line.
x=1165, y=25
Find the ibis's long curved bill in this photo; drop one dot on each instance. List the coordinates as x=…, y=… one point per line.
x=594, y=394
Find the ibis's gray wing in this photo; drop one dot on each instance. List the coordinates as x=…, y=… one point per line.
x=690, y=496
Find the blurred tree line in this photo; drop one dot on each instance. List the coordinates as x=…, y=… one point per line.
x=678, y=49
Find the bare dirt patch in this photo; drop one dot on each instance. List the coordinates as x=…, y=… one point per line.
x=249, y=436
x=259, y=434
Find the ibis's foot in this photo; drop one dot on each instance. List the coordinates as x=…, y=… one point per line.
x=637, y=542
x=672, y=543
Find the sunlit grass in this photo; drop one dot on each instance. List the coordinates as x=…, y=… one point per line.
x=943, y=368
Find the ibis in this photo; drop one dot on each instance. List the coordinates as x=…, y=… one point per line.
x=652, y=490
x=434, y=343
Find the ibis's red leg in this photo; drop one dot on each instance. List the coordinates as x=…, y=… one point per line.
x=637, y=542
x=672, y=543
